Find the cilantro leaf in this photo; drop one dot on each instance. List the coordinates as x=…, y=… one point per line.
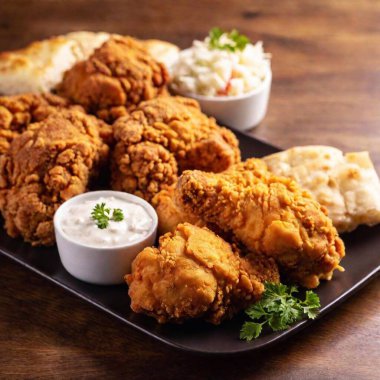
x=279, y=309
x=250, y=330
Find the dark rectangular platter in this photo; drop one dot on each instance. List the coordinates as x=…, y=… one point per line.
x=362, y=264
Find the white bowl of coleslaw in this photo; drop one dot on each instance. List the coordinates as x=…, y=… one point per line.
x=233, y=85
x=241, y=112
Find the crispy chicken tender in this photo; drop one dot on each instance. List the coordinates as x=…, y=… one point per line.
x=196, y=274
x=163, y=137
x=49, y=163
x=118, y=75
x=269, y=215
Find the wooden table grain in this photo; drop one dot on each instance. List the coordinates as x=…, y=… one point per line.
x=326, y=90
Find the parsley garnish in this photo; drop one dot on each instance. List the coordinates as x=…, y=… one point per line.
x=117, y=215
x=279, y=309
x=231, y=41
x=102, y=215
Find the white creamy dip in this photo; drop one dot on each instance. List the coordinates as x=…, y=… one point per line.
x=78, y=224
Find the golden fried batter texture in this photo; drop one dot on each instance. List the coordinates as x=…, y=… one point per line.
x=17, y=112
x=269, y=215
x=50, y=162
x=163, y=137
x=118, y=75
x=171, y=213
x=193, y=274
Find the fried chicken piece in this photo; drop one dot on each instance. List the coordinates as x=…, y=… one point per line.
x=17, y=112
x=49, y=163
x=163, y=137
x=170, y=213
x=118, y=75
x=196, y=274
x=142, y=169
x=269, y=215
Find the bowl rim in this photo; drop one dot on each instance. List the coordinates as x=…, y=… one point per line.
x=98, y=193
x=265, y=83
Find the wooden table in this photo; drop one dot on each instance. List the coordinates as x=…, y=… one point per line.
x=326, y=90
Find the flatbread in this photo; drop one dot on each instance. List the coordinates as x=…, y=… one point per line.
x=347, y=185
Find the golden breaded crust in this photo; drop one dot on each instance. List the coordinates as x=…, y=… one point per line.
x=17, y=112
x=47, y=164
x=119, y=74
x=193, y=274
x=170, y=134
x=269, y=215
x=170, y=213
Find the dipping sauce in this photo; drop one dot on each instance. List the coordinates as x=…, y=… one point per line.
x=78, y=224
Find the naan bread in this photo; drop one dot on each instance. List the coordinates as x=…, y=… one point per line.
x=347, y=185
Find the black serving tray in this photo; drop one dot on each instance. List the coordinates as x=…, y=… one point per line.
x=362, y=263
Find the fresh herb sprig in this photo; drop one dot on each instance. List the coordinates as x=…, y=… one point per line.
x=102, y=215
x=117, y=215
x=233, y=40
x=279, y=309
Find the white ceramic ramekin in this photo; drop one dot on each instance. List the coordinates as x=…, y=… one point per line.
x=240, y=112
x=103, y=266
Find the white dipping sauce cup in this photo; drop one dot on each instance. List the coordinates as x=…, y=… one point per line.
x=241, y=112
x=102, y=266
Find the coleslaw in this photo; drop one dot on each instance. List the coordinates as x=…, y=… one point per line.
x=221, y=68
